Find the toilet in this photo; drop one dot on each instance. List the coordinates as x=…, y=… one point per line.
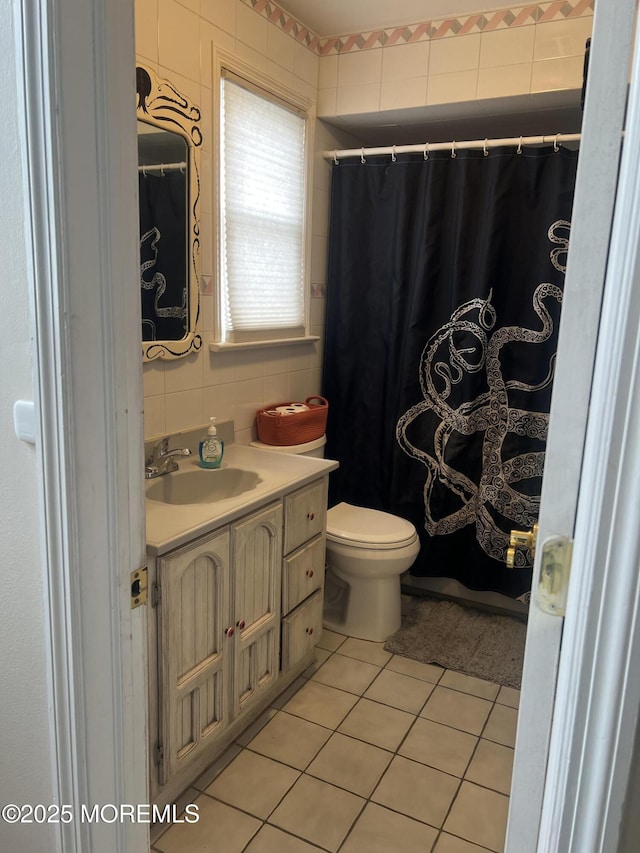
x=367, y=551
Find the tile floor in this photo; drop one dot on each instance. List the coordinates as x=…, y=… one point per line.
x=366, y=752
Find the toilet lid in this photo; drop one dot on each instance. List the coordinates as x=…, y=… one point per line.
x=367, y=527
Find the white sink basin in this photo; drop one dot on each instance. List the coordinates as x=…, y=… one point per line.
x=193, y=501
x=201, y=485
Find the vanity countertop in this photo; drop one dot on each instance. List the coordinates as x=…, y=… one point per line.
x=171, y=525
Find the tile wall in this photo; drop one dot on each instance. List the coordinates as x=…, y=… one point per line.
x=535, y=55
x=535, y=48
x=175, y=38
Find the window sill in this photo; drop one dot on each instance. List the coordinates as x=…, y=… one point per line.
x=226, y=346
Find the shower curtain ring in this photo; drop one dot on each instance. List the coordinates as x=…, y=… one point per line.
x=426, y=151
x=162, y=170
x=335, y=157
x=519, y=150
x=556, y=147
x=485, y=148
x=393, y=154
x=362, y=160
x=144, y=171
x=453, y=150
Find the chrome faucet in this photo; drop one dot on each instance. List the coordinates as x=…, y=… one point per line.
x=162, y=460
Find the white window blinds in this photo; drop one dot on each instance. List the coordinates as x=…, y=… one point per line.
x=262, y=205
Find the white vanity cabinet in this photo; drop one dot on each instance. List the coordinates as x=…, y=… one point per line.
x=237, y=614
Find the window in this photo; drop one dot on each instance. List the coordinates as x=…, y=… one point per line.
x=262, y=215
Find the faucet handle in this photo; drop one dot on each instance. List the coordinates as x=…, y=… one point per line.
x=162, y=446
x=160, y=450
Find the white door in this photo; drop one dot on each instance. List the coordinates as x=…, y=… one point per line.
x=594, y=205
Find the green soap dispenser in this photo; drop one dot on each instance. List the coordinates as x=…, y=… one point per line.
x=211, y=448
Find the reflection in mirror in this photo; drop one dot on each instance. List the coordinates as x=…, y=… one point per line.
x=168, y=184
x=164, y=268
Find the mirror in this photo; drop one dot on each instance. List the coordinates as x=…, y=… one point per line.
x=169, y=140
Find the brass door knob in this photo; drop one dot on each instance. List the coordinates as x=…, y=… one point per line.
x=521, y=539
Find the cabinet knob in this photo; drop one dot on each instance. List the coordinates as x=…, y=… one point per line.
x=240, y=624
x=229, y=632
x=311, y=516
x=309, y=573
x=309, y=631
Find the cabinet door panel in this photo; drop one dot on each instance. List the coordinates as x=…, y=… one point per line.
x=257, y=664
x=304, y=514
x=194, y=650
x=257, y=549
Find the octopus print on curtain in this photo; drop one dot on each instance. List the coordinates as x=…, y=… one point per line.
x=444, y=295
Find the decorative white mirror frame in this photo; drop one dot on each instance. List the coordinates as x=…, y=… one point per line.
x=159, y=103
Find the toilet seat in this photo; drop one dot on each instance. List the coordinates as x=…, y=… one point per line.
x=358, y=527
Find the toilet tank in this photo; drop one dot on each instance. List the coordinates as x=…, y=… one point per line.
x=308, y=448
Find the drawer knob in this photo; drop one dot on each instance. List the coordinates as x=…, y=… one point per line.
x=229, y=632
x=240, y=624
x=309, y=631
x=309, y=573
x=311, y=516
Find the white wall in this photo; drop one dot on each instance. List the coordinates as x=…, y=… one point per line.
x=25, y=765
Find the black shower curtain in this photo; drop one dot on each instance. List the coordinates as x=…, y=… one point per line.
x=163, y=255
x=444, y=292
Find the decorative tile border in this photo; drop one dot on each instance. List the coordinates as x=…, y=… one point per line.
x=533, y=13
x=287, y=23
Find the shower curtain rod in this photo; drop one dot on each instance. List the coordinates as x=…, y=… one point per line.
x=427, y=148
x=163, y=167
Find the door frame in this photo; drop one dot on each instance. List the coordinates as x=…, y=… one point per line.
x=77, y=61
x=587, y=796
x=75, y=69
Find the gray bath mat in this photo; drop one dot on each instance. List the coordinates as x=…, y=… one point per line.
x=485, y=645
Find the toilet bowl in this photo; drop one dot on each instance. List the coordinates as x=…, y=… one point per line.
x=367, y=551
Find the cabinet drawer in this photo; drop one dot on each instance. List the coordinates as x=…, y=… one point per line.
x=304, y=514
x=303, y=573
x=301, y=630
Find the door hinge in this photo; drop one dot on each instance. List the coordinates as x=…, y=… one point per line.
x=555, y=569
x=139, y=581
x=156, y=594
x=158, y=753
